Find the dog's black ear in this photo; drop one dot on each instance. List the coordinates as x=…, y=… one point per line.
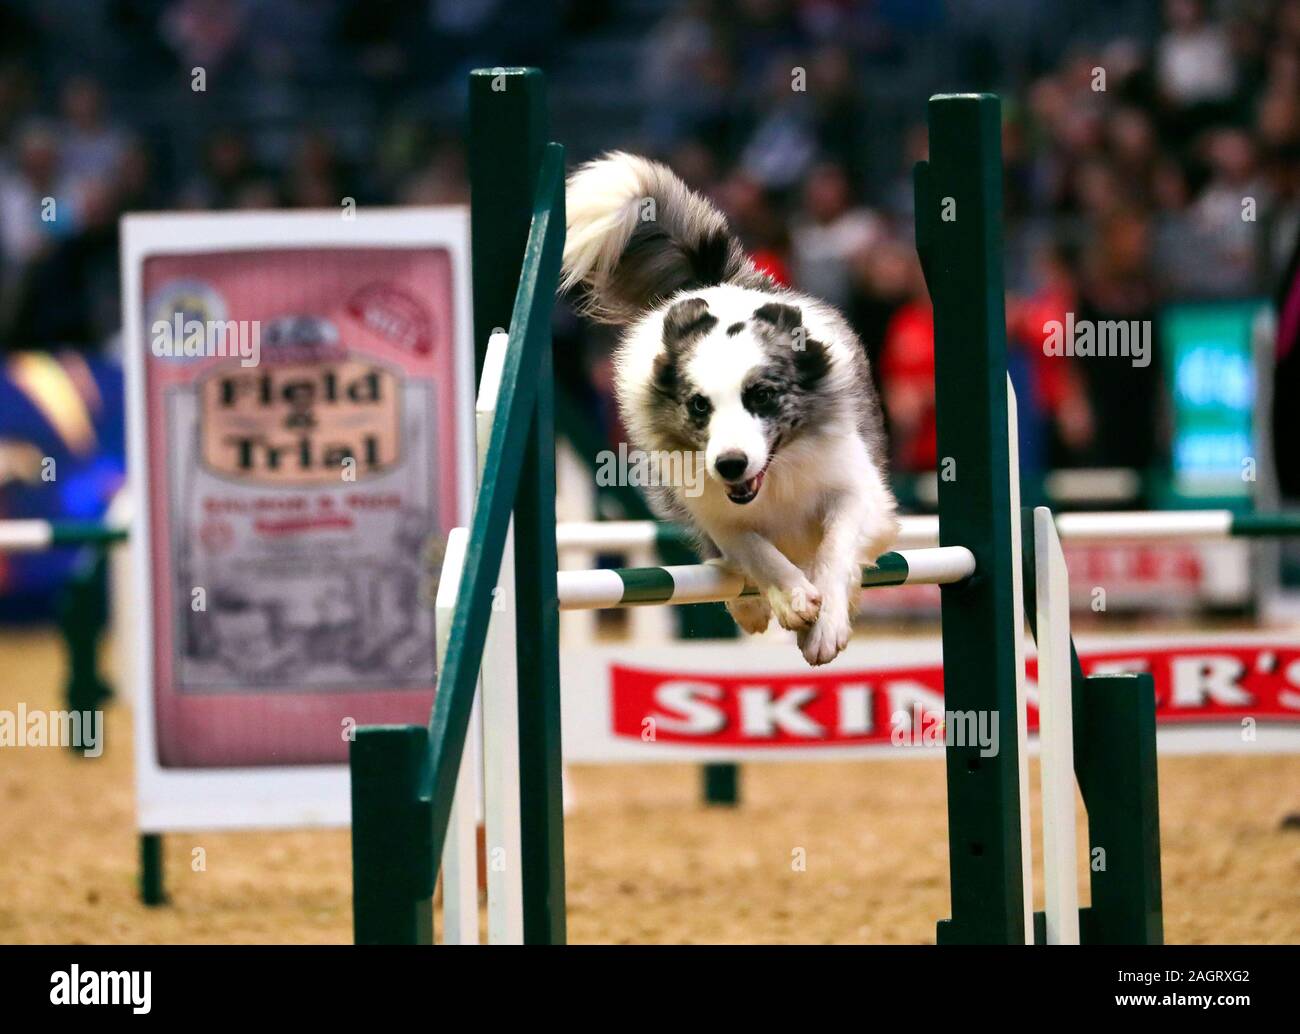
x=664, y=377
x=687, y=319
x=683, y=322
x=783, y=317
x=812, y=363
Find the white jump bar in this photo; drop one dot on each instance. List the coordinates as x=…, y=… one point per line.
x=922, y=532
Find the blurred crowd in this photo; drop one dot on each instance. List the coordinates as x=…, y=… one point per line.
x=1153, y=157
x=1138, y=171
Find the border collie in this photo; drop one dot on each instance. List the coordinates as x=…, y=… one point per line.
x=767, y=388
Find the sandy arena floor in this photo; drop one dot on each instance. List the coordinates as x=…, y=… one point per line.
x=646, y=862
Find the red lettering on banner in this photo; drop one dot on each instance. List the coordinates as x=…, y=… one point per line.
x=1132, y=566
x=1193, y=684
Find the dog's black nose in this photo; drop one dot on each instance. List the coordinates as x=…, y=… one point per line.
x=731, y=465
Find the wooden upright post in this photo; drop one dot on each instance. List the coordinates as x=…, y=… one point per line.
x=394, y=863
x=507, y=134
x=406, y=776
x=959, y=238
x=508, y=128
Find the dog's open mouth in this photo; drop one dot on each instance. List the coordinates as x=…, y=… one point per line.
x=743, y=492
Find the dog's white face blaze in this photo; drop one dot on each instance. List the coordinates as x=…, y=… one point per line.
x=718, y=373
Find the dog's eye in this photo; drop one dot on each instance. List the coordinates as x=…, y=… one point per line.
x=761, y=397
x=699, y=405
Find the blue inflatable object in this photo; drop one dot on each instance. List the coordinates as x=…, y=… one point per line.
x=62, y=455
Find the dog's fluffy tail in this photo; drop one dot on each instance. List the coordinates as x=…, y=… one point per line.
x=637, y=234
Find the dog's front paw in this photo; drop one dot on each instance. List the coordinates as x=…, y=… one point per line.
x=828, y=636
x=795, y=608
x=751, y=613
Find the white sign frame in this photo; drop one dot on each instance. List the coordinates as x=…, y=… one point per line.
x=180, y=800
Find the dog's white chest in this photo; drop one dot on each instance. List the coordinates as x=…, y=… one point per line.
x=789, y=519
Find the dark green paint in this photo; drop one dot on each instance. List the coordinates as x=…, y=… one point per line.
x=960, y=245
x=1265, y=525
x=80, y=533
x=83, y=617
x=541, y=812
x=1119, y=784
x=721, y=784
x=394, y=857
x=646, y=585
x=890, y=569
x=507, y=134
x=152, y=891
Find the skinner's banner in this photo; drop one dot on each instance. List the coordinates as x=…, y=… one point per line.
x=301, y=402
x=708, y=702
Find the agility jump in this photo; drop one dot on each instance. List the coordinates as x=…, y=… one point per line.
x=404, y=779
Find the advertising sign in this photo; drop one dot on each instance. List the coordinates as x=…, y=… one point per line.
x=300, y=446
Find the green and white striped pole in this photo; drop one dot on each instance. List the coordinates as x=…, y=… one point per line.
x=1174, y=525
x=37, y=536
x=922, y=531
x=711, y=583
x=915, y=531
